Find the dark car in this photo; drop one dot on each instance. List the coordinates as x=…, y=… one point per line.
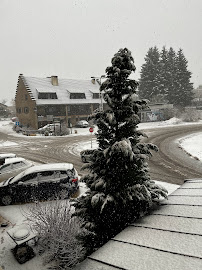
x=42, y=182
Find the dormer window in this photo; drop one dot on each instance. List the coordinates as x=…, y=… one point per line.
x=77, y=96
x=47, y=95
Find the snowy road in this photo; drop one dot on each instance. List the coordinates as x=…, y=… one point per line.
x=171, y=164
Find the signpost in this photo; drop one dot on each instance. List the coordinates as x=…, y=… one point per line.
x=91, y=131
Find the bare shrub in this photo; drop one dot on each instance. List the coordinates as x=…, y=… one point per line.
x=57, y=231
x=190, y=115
x=61, y=131
x=65, y=130
x=169, y=113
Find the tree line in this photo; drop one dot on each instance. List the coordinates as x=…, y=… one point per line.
x=165, y=77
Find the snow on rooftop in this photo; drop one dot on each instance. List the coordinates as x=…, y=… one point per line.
x=64, y=87
x=169, y=238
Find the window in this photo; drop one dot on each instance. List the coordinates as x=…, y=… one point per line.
x=46, y=176
x=47, y=95
x=96, y=95
x=77, y=96
x=26, y=110
x=26, y=97
x=57, y=110
x=5, y=168
x=19, y=164
x=29, y=179
x=18, y=110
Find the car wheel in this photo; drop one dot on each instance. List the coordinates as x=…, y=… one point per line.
x=6, y=200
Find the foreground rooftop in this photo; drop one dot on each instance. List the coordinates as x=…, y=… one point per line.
x=170, y=238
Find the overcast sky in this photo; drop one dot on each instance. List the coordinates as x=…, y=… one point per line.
x=78, y=38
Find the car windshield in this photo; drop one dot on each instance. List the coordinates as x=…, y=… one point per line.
x=3, y=167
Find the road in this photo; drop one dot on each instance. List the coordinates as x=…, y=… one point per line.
x=171, y=164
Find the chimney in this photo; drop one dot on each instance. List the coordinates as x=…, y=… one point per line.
x=54, y=80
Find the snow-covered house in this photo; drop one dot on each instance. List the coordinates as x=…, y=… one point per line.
x=44, y=100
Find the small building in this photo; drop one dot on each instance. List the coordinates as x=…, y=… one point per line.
x=4, y=110
x=155, y=112
x=40, y=101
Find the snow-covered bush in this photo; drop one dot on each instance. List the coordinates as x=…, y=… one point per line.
x=57, y=231
x=119, y=186
x=169, y=113
x=64, y=130
x=190, y=115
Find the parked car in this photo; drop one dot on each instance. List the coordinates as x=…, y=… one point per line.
x=49, y=127
x=82, y=124
x=85, y=155
x=13, y=166
x=4, y=156
x=42, y=182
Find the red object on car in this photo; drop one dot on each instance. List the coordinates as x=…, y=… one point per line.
x=74, y=180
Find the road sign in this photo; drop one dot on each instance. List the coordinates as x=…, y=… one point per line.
x=91, y=129
x=17, y=123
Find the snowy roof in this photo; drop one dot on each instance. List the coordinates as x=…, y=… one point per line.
x=63, y=89
x=170, y=238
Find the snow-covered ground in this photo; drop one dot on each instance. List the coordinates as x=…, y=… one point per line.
x=192, y=144
x=15, y=213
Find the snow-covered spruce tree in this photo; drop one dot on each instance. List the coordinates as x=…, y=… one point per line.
x=149, y=76
x=163, y=81
x=171, y=76
x=120, y=188
x=184, y=94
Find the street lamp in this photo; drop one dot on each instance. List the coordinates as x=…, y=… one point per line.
x=98, y=79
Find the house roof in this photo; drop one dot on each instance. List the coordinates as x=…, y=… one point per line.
x=170, y=238
x=36, y=85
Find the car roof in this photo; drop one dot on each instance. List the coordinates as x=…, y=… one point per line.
x=13, y=160
x=7, y=155
x=44, y=167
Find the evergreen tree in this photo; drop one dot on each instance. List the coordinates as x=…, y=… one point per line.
x=119, y=185
x=171, y=76
x=184, y=94
x=163, y=81
x=149, y=75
